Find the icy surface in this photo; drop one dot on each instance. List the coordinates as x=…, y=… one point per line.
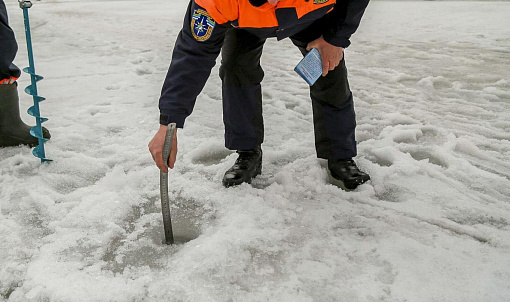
x=432, y=91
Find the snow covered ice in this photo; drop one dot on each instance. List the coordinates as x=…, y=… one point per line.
x=432, y=93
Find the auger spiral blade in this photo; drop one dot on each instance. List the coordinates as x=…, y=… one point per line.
x=31, y=89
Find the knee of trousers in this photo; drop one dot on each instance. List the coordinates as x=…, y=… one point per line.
x=333, y=89
x=233, y=72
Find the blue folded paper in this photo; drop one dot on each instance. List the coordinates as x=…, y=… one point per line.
x=310, y=67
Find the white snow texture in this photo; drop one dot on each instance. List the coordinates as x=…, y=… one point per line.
x=431, y=83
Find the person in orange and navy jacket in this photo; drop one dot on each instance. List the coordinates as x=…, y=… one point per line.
x=13, y=132
x=239, y=28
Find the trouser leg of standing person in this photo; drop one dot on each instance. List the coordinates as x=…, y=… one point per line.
x=13, y=131
x=241, y=75
x=333, y=113
x=334, y=121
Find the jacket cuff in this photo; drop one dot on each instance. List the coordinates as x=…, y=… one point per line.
x=339, y=42
x=166, y=118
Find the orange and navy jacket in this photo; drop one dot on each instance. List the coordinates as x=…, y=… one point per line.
x=206, y=22
x=344, y=15
x=281, y=17
x=8, y=49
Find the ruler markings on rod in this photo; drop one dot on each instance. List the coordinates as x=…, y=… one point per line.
x=163, y=184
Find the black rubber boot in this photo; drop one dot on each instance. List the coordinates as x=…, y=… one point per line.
x=247, y=166
x=13, y=132
x=345, y=174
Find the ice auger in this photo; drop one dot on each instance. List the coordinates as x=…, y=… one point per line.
x=34, y=111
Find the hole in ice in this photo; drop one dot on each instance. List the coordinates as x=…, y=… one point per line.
x=186, y=220
x=187, y=217
x=141, y=242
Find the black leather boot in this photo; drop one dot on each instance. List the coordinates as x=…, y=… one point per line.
x=13, y=132
x=247, y=166
x=345, y=174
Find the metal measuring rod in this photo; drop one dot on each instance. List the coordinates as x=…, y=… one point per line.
x=163, y=186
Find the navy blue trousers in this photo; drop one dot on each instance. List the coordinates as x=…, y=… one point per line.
x=8, y=47
x=332, y=103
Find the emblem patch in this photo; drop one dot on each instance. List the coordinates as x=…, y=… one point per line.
x=202, y=25
x=320, y=1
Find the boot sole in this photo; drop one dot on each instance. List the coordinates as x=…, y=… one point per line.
x=11, y=143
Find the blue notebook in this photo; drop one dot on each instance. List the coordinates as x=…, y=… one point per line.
x=310, y=67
